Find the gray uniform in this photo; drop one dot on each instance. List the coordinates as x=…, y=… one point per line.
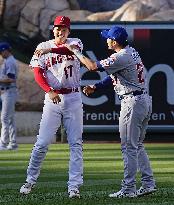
x=8, y=96
x=128, y=74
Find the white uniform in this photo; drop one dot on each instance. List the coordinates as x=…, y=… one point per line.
x=128, y=74
x=61, y=72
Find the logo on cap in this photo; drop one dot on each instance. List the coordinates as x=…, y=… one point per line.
x=62, y=19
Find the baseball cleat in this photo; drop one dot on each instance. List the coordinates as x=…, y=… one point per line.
x=12, y=147
x=26, y=188
x=74, y=194
x=3, y=147
x=122, y=194
x=145, y=191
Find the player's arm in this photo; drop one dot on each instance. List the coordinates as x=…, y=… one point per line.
x=111, y=65
x=10, y=73
x=37, y=64
x=105, y=83
x=40, y=79
x=62, y=49
x=90, y=64
x=59, y=50
x=42, y=82
x=10, y=78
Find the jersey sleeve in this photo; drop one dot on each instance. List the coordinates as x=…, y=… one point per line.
x=38, y=61
x=111, y=64
x=11, y=68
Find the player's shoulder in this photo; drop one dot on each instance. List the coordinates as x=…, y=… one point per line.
x=126, y=52
x=45, y=44
x=131, y=49
x=10, y=59
x=134, y=53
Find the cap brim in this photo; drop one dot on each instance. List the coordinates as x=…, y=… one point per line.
x=63, y=25
x=104, y=33
x=3, y=49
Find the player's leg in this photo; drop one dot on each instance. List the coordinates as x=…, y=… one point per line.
x=7, y=114
x=51, y=119
x=12, y=124
x=73, y=122
x=131, y=116
x=147, y=179
x=128, y=134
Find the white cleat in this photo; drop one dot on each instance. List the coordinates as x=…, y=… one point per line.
x=146, y=191
x=122, y=194
x=74, y=193
x=12, y=147
x=26, y=188
x=3, y=147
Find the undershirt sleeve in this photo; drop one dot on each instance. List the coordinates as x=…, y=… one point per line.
x=40, y=79
x=106, y=82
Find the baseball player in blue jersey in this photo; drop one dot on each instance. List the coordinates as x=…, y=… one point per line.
x=8, y=90
x=127, y=74
x=58, y=75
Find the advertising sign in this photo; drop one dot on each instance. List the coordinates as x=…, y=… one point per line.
x=155, y=44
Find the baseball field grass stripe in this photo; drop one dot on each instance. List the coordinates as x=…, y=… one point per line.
x=51, y=175
x=62, y=183
x=103, y=172
x=159, y=176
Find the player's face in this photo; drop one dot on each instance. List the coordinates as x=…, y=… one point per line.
x=3, y=53
x=111, y=44
x=61, y=33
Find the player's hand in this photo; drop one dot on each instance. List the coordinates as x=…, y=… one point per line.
x=89, y=89
x=72, y=47
x=54, y=97
x=41, y=52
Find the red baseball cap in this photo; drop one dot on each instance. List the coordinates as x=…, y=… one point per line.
x=62, y=21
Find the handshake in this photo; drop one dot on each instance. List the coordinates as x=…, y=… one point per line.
x=89, y=89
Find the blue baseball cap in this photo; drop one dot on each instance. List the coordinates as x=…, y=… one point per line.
x=116, y=33
x=4, y=46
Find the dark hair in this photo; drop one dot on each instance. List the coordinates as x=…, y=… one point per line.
x=124, y=44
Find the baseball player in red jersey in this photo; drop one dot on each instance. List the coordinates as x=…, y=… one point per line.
x=58, y=75
x=127, y=74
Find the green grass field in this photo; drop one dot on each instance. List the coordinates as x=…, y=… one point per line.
x=103, y=171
